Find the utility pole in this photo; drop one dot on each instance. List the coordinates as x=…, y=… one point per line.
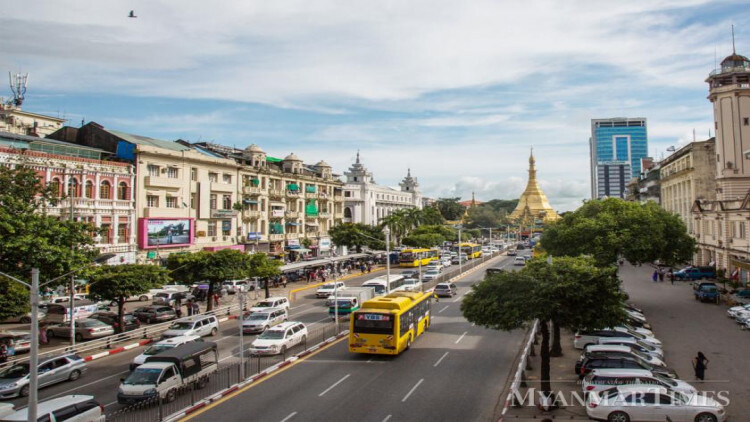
x=71, y=197
x=34, y=352
x=241, y=299
x=387, y=232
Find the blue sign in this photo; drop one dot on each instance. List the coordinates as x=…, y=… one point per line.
x=253, y=235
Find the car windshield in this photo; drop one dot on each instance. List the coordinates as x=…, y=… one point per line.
x=441, y=287
x=666, y=380
x=326, y=287
x=157, y=348
x=93, y=323
x=410, y=281
x=181, y=326
x=143, y=376
x=257, y=317
x=264, y=305
x=272, y=335
x=15, y=371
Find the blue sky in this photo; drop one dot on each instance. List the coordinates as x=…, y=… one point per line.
x=456, y=91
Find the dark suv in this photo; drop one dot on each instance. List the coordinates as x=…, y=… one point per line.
x=608, y=361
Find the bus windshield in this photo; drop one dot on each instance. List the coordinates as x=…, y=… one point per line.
x=408, y=257
x=372, y=323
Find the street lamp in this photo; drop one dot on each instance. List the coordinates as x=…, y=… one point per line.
x=387, y=233
x=241, y=299
x=34, y=349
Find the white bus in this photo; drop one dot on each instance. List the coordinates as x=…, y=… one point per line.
x=379, y=283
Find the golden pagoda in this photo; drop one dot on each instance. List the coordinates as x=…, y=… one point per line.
x=533, y=203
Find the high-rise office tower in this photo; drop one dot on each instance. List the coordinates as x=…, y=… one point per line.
x=616, y=148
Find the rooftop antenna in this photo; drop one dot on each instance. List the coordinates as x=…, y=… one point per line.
x=693, y=134
x=18, y=87
x=734, y=51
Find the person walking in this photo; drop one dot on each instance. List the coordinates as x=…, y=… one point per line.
x=42, y=334
x=178, y=310
x=196, y=308
x=670, y=274
x=189, y=305
x=661, y=274
x=700, y=363
x=655, y=276
x=216, y=300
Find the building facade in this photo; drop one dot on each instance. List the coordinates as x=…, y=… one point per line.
x=367, y=202
x=616, y=147
x=721, y=224
x=20, y=122
x=92, y=190
x=686, y=176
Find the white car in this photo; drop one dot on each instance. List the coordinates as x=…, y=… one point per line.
x=412, y=285
x=258, y=322
x=617, y=350
x=519, y=260
x=733, y=311
x=162, y=346
x=651, y=403
x=634, y=343
x=604, y=379
x=584, y=338
x=327, y=289
x=434, y=265
x=271, y=302
x=279, y=339
x=73, y=408
x=446, y=262
x=196, y=325
x=430, y=275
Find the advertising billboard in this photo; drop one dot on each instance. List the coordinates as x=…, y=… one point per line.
x=165, y=232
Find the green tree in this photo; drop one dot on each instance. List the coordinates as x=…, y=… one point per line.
x=572, y=293
x=31, y=239
x=609, y=228
x=355, y=236
x=450, y=209
x=423, y=240
x=502, y=206
x=431, y=216
x=483, y=216
x=118, y=282
x=213, y=268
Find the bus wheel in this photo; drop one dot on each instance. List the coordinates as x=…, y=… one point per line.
x=408, y=343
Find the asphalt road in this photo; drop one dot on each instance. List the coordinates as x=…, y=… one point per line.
x=454, y=372
x=102, y=377
x=686, y=326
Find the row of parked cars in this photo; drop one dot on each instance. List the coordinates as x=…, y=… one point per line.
x=625, y=378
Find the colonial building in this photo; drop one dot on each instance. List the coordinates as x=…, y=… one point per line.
x=20, y=122
x=91, y=189
x=533, y=204
x=367, y=202
x=720, y=224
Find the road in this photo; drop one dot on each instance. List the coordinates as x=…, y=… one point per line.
x=102, y=377
x=686, y=326
x=456, y=371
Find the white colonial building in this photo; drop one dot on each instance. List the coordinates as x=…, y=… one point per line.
x=367, y=202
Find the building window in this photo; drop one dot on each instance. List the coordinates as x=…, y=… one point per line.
x=173, y=172
x=105, y=190
x=193, y=198
x=122, y=191
x=171, y=202
x=122, y=233
x=152, y=201
x=106, y=231
x=226, y=178
x=72, y=187
x=347, y=194
x=213, y=177
x=226, y=202
x=212, y=228
x=226, y=227
x=194, y=174
x=89, y=191
x=746, y=121
x=212, y=203
x=153, y=170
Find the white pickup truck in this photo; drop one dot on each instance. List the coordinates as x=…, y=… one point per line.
x=164, y=374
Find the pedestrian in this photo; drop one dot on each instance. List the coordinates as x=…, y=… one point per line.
x=671, y=275
x=43, y=334
x=661, y=274
x=216, y=300
x=3, y=353
x=362, y=268
x=189, y=305
x=196, y=308
x=700, y=363
x=178, y=310
x=655, y=276
x=369, y=267
x=283, y=281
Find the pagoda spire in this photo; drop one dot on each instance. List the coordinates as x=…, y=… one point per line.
x=533, y=203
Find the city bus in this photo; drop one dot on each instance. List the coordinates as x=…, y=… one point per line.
x=472, y=250
x=379, y=284
x=389, y=325
x=413, y=257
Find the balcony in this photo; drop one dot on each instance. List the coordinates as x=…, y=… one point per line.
x=338, y=215
x=275, y=193
x=291, y=214
x=324, y=214
x=311, y=195
x=251, y=190
x=292, y=235
x=251, y=214
x=166, y=212
x=162, y=182
x=222, y=187
x=275, y=237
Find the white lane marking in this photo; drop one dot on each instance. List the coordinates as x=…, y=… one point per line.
x=462, y=336
x=440, y=360
x=110, y=404
x=328, y=318
x=86, y=385
x=334, y=385
x=291, y=415
x=446, y=307
x=300, y=306
x=412, y=390
x=387, y=418
x=370, y=360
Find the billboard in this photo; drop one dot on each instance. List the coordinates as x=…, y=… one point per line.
x=165, y=232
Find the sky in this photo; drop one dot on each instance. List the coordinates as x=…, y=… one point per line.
x=456, y=91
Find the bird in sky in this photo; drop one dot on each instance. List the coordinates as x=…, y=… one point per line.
x=132, y=14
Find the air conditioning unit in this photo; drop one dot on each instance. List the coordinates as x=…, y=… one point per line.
x=213, y=239
x=163, y=169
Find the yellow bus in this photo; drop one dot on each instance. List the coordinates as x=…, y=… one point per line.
x=472, y=250
x=389, y=324
x=412, y=257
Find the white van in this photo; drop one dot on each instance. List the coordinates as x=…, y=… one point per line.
x=162, y=346
x=196, y=325
x=73, y=408
x=271, y=302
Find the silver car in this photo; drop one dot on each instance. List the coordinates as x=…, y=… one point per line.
x=258, y=322
x=14, y=380
x=86, y=329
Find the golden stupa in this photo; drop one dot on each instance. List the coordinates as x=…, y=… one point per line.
x=533, y=203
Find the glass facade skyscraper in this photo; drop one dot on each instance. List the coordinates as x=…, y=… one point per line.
x=615, y=143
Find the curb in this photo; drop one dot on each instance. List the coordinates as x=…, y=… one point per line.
x=117, y=350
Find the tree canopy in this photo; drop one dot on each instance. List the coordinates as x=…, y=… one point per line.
x=484, y=216
x=609, y=228
x=450, y=209
x=357, y=235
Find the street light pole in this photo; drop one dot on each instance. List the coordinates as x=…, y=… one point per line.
x=387, y=233
x=460, y=261
x=241, y=299
x=34, y=352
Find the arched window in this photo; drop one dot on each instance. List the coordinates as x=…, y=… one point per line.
x=105, y=190
x=72, y=187
x=347, y=212
x=89, y=191
x=55, y=186
x=123, y=191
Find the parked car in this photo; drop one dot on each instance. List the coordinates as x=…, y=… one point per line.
x=14, y=380
x=641, y=403
x=85, y=329
x=169, y=298
x=445, y=290
x=634, y=343
x=196, y=325
x=412, y=285
x=16, y=341
x=619, y=350
x=73, y=408
x=585, y=338
x=258, y=322
x=271, y=302
x=706, y=292
x=695, y=273
x=130, y=322
x=155, y=313
x=604, y=379
x=605, y=361
x=733, y=311
x=327, y=289
x=279, y=339
x=430, y=275
x=235, y=286
x=25, y=318
x=739, y=297
x=162, y=346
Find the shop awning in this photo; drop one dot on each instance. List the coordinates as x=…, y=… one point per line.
x=273, y=159
x=255, y=182
x=310, y=189
x=292, y=223
x=293, y=187
x=299, y=250
x=249, y=201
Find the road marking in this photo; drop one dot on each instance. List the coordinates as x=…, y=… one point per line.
x=300, y=306
x=462, y=336
x=291, y=415
x=387, y=418
x=85, y=385
x=412, y=390
x=334, y=385
x=446, y=307
x=440, y=360
x=319, y=321
x=370, y=360
x=110, y=404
